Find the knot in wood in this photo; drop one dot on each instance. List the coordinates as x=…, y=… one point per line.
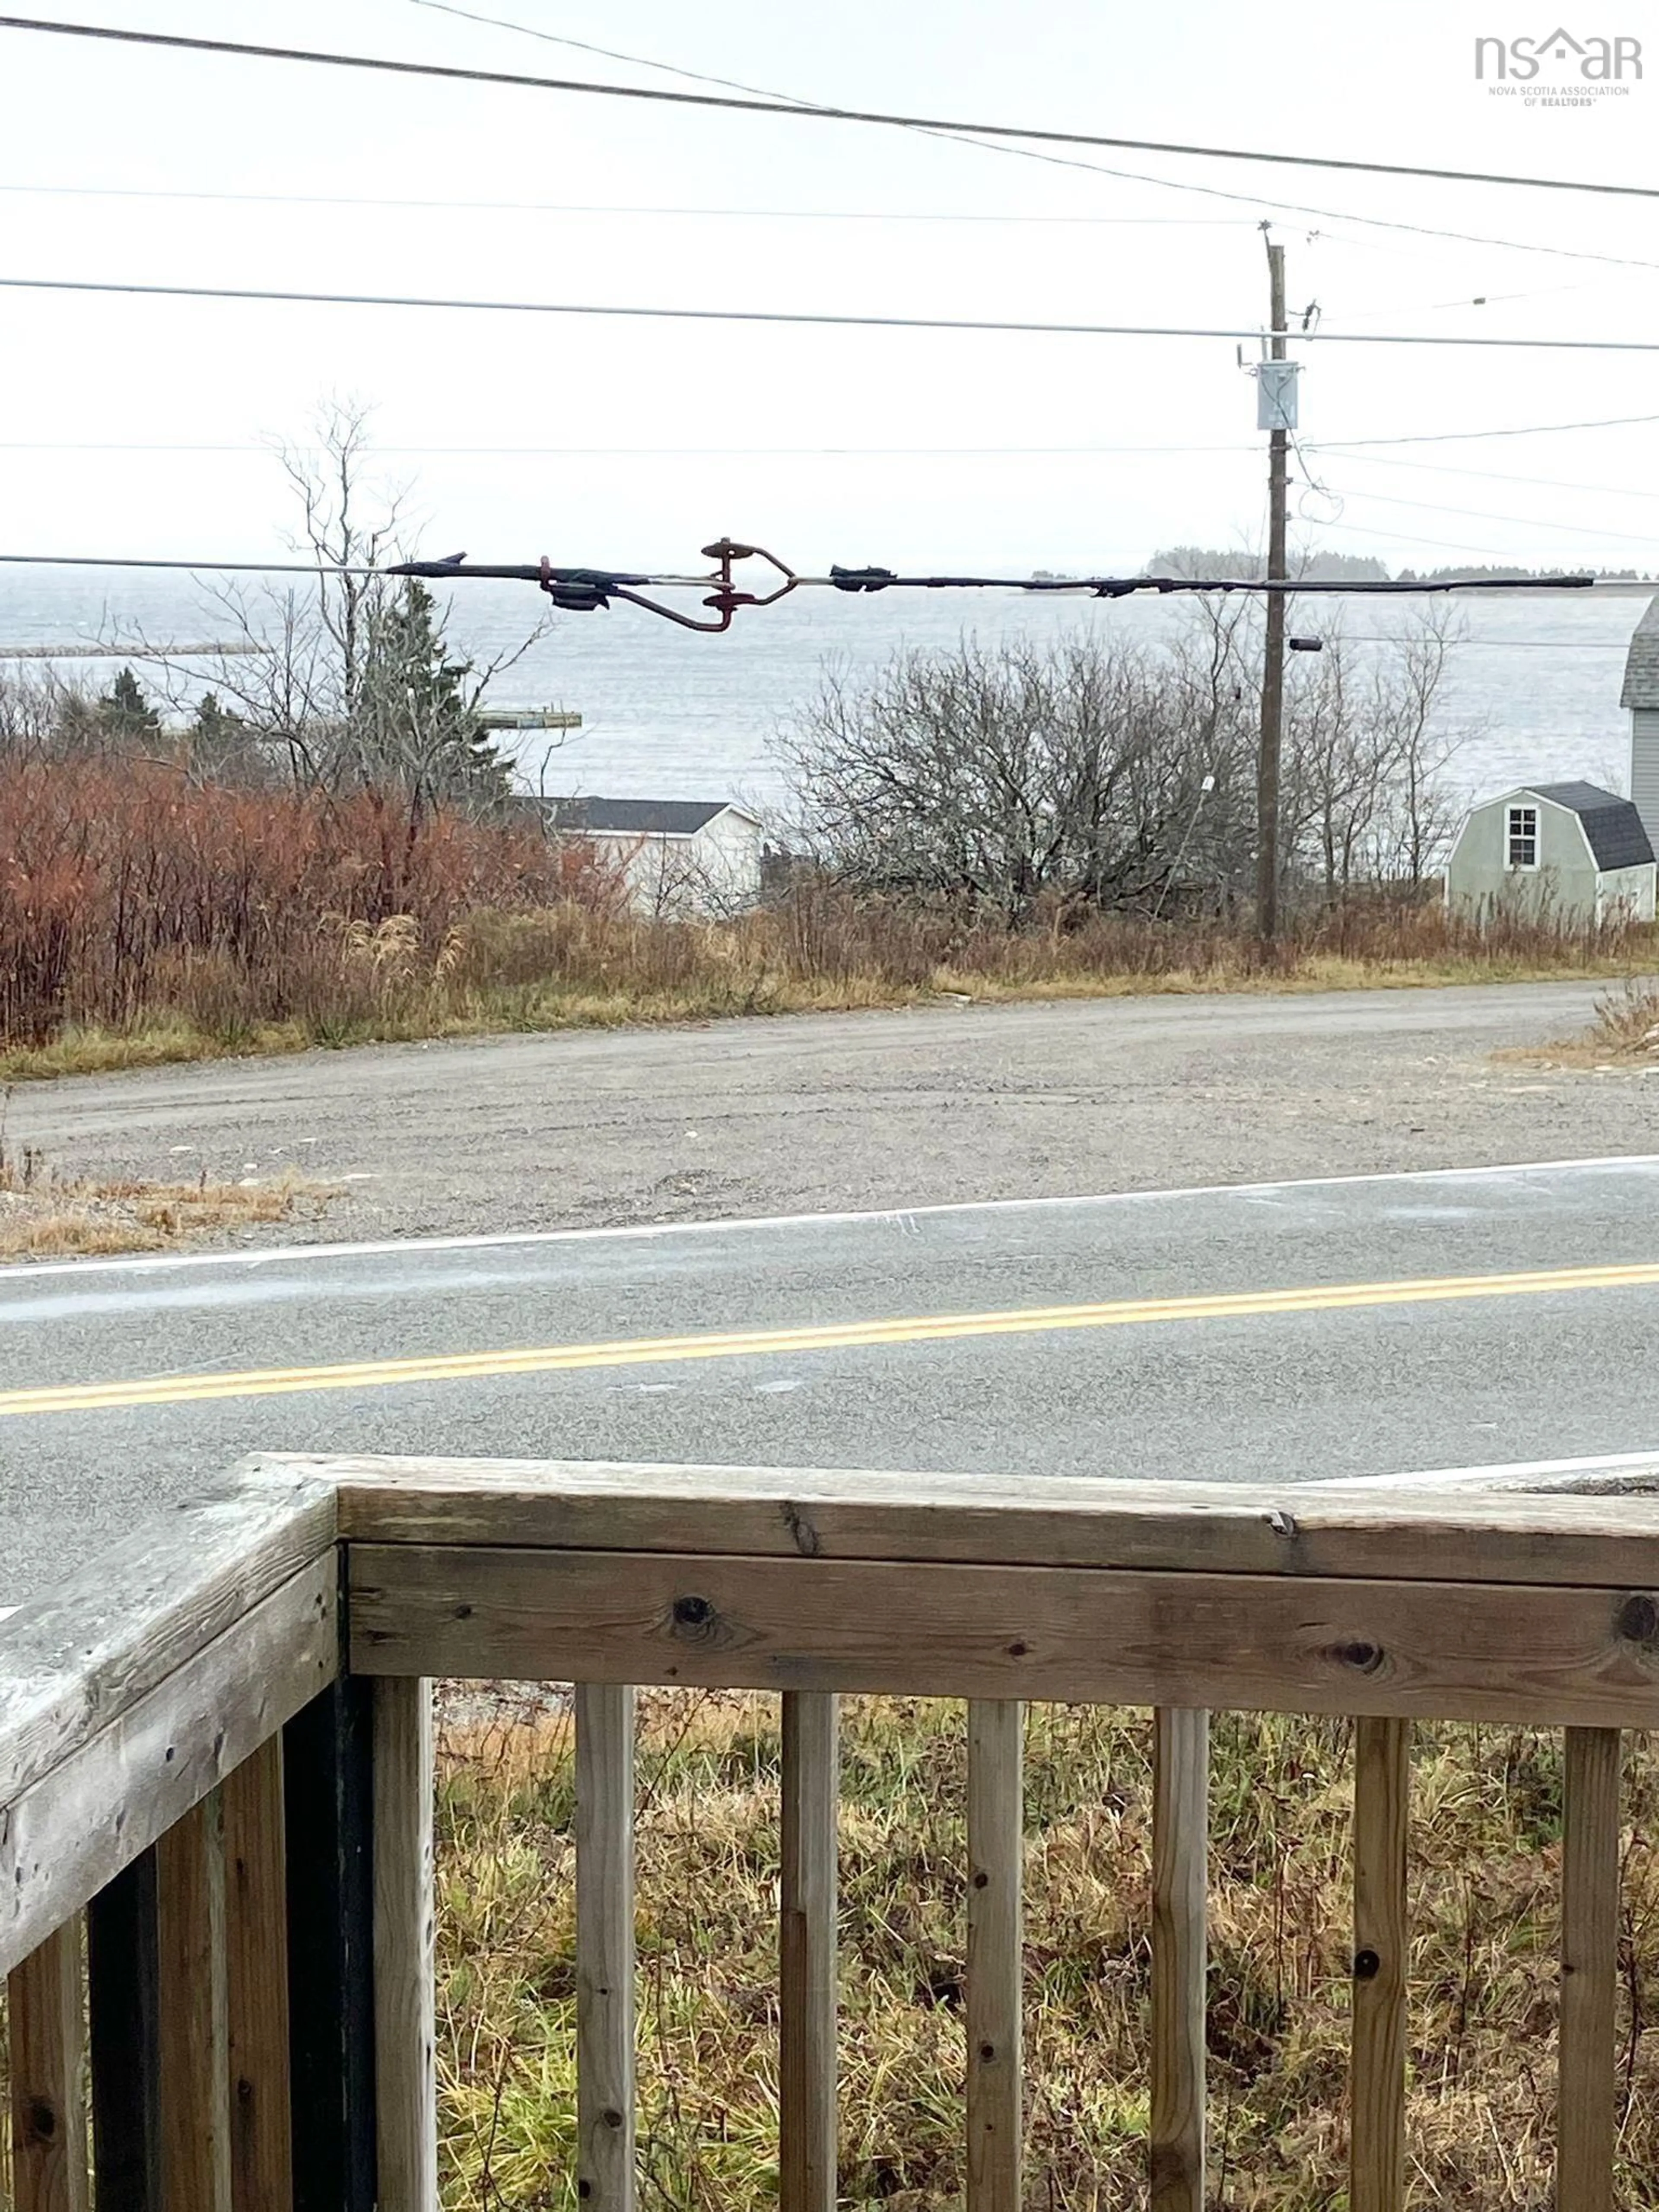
x=1638, y=1619
x=695, y=1617
x=1367, y=1658
x=1366, y=1965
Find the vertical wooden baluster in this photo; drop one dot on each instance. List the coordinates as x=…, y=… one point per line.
x=1381, y=1798
x=48, y=2085
x=124, y=2041
x=405, y=1965
x=326, y=1791
x=604, y=1946
x=1585, y=2124
x=1181, y=1861
x=195, y=2070
x=806, y=1979
x=996, y=1827
x=256, y=1983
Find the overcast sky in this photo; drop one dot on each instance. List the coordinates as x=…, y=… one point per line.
x=808, y=439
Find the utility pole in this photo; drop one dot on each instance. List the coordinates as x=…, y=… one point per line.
x=1273, y=666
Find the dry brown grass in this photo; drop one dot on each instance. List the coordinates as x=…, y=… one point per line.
x=1485, y=1918
x=585, y=964
x=44, y=1215
x=1624, y=1035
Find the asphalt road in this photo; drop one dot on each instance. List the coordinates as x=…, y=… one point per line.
x=825, y=1113
x=1301, y=1331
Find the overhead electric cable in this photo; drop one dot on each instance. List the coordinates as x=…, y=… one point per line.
x=626, y=452
x=990, y=146
x=627, y=208
x=1320, y=336
x=449, y=72
x=1648, y=537
x=1458, y=437
x=1499, y=476
x=581, y=591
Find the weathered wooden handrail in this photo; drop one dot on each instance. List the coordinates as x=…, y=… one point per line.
x=217, y=1751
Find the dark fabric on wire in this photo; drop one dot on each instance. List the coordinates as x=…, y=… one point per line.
x=586, y=587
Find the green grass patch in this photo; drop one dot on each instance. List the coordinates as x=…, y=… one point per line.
x=1485, y=1883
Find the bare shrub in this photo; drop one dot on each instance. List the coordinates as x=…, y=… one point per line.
x=1107, y=777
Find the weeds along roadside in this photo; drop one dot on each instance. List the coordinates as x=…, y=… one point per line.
x=145, y=918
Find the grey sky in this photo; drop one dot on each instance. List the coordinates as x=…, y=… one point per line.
x=1390, y=84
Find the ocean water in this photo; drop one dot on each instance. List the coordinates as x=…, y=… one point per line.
x=1532, y=688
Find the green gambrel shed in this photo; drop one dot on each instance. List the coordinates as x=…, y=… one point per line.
x=1572, y=851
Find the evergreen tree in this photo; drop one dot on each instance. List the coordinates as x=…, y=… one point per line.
x=219, y=741
x=125, y=712
x=416, y=714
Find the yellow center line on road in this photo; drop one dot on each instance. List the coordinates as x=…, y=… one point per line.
x=834, y=1336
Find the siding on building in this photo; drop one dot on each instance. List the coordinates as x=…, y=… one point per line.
x=1626, y=894
x=1645, y=768
x=714, y=870
x=1478, y=877
x=1641, y=696
x=1568, y=885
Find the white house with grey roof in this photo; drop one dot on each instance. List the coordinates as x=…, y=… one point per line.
x=1569, y=851
x=677, y=856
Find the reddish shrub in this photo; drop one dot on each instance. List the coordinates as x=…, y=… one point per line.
x=117, y=875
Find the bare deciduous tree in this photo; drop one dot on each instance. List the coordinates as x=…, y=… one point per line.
x=1107, y=776
x=347, y=682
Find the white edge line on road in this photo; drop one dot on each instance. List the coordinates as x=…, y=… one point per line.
x=1512, y=1473
x=275, y=1254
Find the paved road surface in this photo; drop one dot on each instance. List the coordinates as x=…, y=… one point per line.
x=1301, y=1331
x=808, y=1115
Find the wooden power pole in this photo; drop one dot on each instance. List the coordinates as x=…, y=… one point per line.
x=1273, y=666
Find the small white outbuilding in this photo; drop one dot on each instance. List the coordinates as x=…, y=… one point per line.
x=1570, y=851
x=677, y=856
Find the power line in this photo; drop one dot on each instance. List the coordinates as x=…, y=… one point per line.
x=625, y=452
x=1501, y=475
x=1458, y=437
x=822, y=320
x=1026, y=153
x=451, y=73
x=1648, y=537
x=624, y=207
x=1091, y=168
x=593, y=586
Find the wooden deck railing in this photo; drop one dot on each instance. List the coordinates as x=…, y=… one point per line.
x=216, y=1773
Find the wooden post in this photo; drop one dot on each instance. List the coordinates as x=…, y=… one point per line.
x=1181, y=1862
x=811, y=1788
x=326, y=1811
x=996, y=1841
x=1382, y=1799
x=256, y=1983
x=604, y=1946
x=1586, y=2111
x=195, y=2065
x=405, y=2037
x=125, y=2041
x=48, y=2077
x=1272, y=662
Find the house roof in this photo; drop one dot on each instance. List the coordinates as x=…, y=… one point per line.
x=640, y=817
x=1617, y=838
x=1641, y=664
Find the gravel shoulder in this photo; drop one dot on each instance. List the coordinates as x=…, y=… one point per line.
x=848, y=1111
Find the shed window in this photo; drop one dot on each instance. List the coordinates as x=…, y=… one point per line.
x=1523, y=837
